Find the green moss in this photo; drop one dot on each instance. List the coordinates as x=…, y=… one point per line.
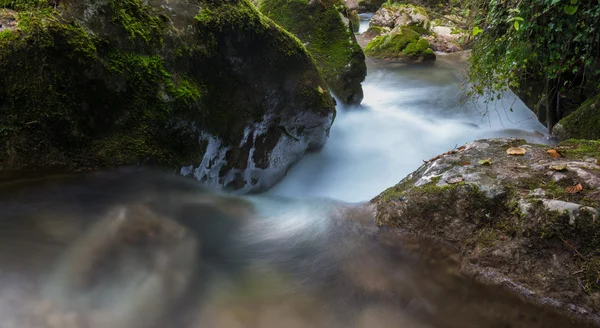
x=580, y=149
x=375, y=30
x=138, y=19
x=405, y=43
x=97, y=95
x=420, y=30
x=354, y=20
x=23, y=4
x=584, y=123
x=329, y=41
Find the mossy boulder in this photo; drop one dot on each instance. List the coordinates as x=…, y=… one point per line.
x=584, y=123
x=214, y=87
x=529, y=223
x=403, y=43
x=331, y=42
x=532, y=91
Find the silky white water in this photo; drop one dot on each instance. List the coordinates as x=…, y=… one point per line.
x=410, y=113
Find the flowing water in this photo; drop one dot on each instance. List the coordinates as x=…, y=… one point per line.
x=141, y=249
x=130, y=249
x=410, y=113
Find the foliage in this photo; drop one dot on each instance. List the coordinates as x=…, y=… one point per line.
x=553, y=41
x=330, y=42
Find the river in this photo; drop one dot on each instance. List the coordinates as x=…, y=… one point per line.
x=410, y=113
x=133, y=248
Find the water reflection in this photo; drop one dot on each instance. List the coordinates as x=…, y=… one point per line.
x=142, y=249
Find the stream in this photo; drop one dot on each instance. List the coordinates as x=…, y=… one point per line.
x=134, y=248
x=410, y=113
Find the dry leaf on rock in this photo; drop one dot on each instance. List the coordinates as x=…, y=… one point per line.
x=516, y=151
x=553, y=152
x=487, y=161
x=558, y=167
x=574, y=189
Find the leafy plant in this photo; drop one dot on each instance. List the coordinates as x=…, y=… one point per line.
x=555, y=43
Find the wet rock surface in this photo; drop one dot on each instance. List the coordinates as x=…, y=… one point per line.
x=214, y=87
x=326, y=28
x=527, y=222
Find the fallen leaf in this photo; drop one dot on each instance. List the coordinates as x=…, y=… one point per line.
x=455, y=180
x=487, y=161
x=465, y=163
x=558, y=167
x=574, y=189
x=461, y=149
x=553, y=152
x=516, y=151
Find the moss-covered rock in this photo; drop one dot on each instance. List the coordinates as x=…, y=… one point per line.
x=529, y=223
x=212, y=86
x=584, y=123
x=332, y=44
x=354, y=20
x=393, y=14
x=402, y=43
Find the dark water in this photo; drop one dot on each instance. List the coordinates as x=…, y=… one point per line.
x=142, y=249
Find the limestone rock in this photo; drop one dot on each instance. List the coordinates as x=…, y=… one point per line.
x=513, y=224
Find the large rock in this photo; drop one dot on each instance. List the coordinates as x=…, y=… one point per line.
x=332, y=43
x=584, y=123
x=394, y=14
x=443, y=33
x=402, y=42
x=528, y=222
x=532, y=90
x=211, y=86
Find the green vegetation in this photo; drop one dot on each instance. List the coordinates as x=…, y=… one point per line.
x=138, y=20
x=400, y=43
x=81, y=95
x=580, y=149
x=24, y=4
x=584, y=123
x=327, y=38
x=550, y=43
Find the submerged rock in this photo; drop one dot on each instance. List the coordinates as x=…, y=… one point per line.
x=529, y=222
x=211, y=86
x=331, y=42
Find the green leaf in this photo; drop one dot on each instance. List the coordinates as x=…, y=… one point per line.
x=516, y=24
x=487, y=161
x=574, y=2
x=570, y=10
x=477, y=30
